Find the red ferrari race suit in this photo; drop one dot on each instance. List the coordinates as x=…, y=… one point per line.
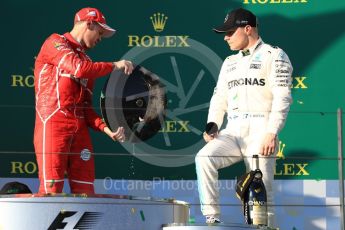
x=64, y=80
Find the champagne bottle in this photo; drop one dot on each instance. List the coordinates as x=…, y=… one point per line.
x=255, y=198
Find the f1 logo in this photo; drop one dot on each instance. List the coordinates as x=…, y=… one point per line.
x=87, y=221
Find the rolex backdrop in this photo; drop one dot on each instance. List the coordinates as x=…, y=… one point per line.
x=174, y=39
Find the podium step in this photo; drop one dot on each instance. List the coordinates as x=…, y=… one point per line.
x=97, y=212
x=225, y=226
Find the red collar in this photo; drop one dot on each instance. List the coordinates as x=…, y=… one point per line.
x=75, y=44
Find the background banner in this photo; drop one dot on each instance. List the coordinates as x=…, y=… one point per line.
x=187, y=55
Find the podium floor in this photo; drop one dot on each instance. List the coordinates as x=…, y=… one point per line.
x=111, y=212
x=225, y=226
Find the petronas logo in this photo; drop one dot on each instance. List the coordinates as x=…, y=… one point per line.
x=158, y=21
x=280, y=153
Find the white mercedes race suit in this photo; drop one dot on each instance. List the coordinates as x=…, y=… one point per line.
x=254, y=89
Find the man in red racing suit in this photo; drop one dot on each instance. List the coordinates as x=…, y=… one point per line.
x=64, y=80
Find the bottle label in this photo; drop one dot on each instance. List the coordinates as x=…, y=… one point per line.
x=259, y=215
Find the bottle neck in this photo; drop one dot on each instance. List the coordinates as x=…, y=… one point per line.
x=255, y=162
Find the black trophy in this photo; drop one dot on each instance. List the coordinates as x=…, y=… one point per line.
x=137, y=102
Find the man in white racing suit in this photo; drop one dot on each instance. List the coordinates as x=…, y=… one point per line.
x=254, y=89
